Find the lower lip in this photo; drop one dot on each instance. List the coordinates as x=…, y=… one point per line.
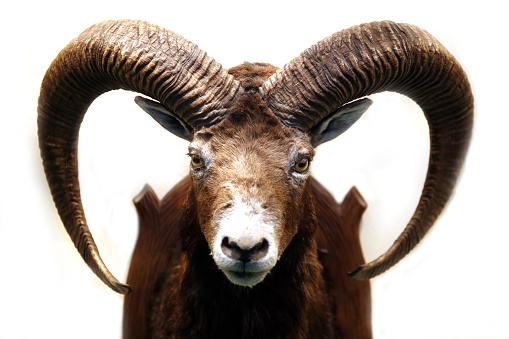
x=246, y=278
x=244, y=275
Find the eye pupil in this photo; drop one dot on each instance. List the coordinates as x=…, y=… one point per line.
x=302, y=165
x=196, y=161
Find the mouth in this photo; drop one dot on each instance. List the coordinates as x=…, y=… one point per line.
x=243, y=278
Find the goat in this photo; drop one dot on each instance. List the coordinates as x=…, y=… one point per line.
x=249, y=245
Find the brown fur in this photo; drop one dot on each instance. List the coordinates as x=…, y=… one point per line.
x=261, y=140
x=252, y=75
x=178, y=290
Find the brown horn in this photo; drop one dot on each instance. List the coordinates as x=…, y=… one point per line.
x=128, y=55
x=375, y=57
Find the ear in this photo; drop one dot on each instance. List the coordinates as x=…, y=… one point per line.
x=165, y=118
x=339, y=121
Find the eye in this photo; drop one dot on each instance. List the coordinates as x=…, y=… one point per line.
x=302, y=165
x=196, y=161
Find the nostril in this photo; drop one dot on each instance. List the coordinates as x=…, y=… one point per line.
x=235, y=252
x=230, y=249
x=259, y=250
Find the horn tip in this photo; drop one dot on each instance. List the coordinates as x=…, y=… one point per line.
x=362, y=273
x=354, y=273
x=121, y=288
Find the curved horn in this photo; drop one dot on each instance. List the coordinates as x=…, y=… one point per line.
x=128, y=55
x=375, y=57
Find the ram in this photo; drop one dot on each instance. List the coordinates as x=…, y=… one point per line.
x=249, y=245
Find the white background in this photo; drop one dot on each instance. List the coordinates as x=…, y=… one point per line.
x=454, y=285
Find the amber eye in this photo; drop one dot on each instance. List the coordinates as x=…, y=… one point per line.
x=196, y=161
x=302, y=165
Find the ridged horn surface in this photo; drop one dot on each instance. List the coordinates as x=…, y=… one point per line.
x=376, y=57
x=129, y=55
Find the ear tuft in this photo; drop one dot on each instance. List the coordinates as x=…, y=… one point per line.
x=339, y=121
x=165, y=118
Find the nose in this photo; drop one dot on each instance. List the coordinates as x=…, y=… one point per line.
x=245, y=253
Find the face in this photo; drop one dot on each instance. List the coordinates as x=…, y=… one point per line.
x=249, y=179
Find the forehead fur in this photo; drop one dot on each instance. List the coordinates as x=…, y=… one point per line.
x=251, y=120
x=252, y=75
